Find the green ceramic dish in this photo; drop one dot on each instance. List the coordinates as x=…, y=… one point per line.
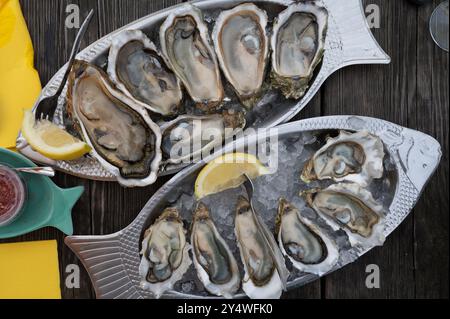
x=46, y=204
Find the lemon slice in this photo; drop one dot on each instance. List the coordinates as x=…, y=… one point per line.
x=227, y=172
x=50, y=140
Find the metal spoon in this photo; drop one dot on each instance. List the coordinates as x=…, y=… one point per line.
x=45, y=171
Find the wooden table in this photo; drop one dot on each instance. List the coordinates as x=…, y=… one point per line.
x=412, y=91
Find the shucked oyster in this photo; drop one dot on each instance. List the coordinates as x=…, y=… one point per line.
x=265, y=269
x=352, y=208
x=242, y=48
x=122, y=136
x=356, y=157
x=297, y=42
x=215, y=264
x=186, y=48
x=136, y=68
x=189, y=137
x=165, y=258
x=304, y=243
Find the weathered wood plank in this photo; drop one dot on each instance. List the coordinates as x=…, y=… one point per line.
x=125, y=11
x=430, y=115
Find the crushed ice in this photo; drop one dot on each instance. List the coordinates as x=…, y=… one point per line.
x=293, y=153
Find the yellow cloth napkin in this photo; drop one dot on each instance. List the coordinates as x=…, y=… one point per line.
x=29, y=270
x=19, y=81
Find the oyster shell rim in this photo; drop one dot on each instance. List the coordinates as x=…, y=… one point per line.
x=155, y=164
x=263, y=21
x=158, y=289
x=117, y=43
x=216, y=289
x=208, y=147
x=370, y=169
x=377, y=238
x=286, y=83
x=194, y=12
x=277, y=283
x=323, y=266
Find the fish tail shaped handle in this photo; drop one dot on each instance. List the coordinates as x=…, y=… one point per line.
x=349, y=35
x=102, y=258
x=64, y=201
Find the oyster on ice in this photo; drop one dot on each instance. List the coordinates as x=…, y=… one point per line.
x=186, y=48
x=242, y=48
x=297, y=43
x=165, y=258
x=138, y=70
x=120, y=132
x=350, y=207
x=355, y=157
x=304, y=243
x=216, y=266
x=189, y=137
x=265, y=270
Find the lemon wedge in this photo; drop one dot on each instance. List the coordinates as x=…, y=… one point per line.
x=227, y=172
x=51, y=141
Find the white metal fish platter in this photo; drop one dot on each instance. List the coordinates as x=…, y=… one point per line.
x=399, y=161
x=342, y=27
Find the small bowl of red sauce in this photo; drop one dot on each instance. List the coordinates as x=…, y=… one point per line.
x=12, y=195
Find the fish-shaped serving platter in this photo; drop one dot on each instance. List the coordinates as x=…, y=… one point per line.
x=410, y=159
x=348, y=41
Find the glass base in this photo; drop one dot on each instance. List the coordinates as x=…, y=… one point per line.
x=439, y=25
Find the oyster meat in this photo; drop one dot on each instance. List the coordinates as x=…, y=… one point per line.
x=137, y=69
x=165, y=258
x=242, y=48
x=189, y=137
x=186, y=47
x=350, y=207
x=215, y=264
x=304, y=243
x=120, y=132
x=265, y=270
x=298, y=42
x=355, y=157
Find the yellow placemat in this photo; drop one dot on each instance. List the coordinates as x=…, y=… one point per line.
x=29, y=270
x=19, y=81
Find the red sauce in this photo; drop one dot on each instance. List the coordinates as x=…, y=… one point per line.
x=12, y=195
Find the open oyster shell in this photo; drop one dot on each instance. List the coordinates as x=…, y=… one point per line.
x=189, y=137
x=298, y=42
x=186, y=48
x=355, y=157
x=138, y=70
x=165, y=258
x=265, y=270
x=350, y=207
x=304, y=243
x=120, y=132
x=216, y=266
x=242, y=48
